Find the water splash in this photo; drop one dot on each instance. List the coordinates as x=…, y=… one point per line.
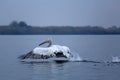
x=116, y=59
x=75, y=57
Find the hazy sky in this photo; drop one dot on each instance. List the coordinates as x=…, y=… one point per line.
x=61, y=12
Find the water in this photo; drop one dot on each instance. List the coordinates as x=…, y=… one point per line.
x=99, y=48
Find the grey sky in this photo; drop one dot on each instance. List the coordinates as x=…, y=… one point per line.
x=61, y=12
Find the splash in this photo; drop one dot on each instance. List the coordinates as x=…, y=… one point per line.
x=116, y=59
x=75, y=57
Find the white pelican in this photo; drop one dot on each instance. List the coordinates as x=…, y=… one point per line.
x=52, y=51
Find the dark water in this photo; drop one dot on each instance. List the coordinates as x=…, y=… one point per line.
x=89, y=47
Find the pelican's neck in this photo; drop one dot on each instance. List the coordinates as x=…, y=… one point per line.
x=47, y=41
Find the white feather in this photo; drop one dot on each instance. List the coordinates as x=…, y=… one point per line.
x=51, y=50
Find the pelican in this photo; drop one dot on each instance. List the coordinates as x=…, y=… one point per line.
x=51, y=51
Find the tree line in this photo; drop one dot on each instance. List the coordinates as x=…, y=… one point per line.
x=19, y=28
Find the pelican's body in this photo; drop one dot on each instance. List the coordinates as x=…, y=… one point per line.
x=52, y=51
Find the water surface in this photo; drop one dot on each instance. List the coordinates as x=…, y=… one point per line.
x=89, y=47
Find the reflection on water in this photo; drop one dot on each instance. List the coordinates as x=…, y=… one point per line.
x=72, y=70
x=44, y=71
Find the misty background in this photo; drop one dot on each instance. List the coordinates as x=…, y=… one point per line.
x=104, y=13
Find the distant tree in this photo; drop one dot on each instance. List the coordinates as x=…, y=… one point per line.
x=13, y=24
x=22, y=24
